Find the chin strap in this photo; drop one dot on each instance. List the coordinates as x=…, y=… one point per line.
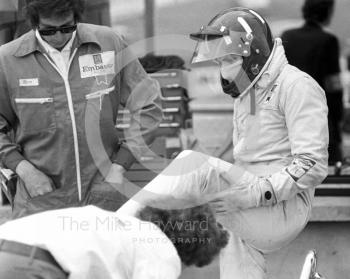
x=252, y=101
x=229, y=88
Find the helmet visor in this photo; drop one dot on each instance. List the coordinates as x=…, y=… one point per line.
x=209, y=47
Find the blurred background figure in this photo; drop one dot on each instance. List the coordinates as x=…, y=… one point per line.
x=315, y=50
x=11, y=19
x=97, y=12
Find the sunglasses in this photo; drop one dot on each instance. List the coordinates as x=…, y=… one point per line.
x=52, y=31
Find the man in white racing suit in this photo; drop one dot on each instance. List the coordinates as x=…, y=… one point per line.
x=280, y=145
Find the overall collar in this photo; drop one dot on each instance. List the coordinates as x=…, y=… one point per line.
x=28, y=44
x=267, y=80
x=85, y=36
x=275, y=67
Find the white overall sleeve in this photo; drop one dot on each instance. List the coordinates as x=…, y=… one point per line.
x=306, y=110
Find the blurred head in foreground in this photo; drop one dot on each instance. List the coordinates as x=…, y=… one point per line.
x=196, y=235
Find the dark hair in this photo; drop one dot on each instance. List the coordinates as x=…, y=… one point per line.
x=35, y=9
x=318, y=10
x=196, y=235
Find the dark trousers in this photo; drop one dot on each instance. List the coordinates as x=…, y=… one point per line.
x=335, y=117
x=335, y=141
x=100, y=194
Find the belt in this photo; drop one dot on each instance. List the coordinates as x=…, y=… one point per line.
x=28, y=251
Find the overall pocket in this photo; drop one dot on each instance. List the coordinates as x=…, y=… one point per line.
x=98, y=95
x=100, y=102
x=36, y=114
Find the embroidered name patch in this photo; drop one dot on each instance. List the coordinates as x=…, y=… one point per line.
x=28, y=82
x=99, y=64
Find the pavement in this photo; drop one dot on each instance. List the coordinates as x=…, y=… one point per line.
x=330, y=240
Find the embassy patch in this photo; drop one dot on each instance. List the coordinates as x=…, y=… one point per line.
x=98, y=64
x=299, y=167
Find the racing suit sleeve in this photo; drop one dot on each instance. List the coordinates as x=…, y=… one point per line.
x=10, y=155
x=141, y=96
x=305, y=109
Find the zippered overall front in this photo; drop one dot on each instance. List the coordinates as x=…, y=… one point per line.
x=72, y=116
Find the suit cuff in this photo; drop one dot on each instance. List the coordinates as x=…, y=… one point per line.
x=268, y=197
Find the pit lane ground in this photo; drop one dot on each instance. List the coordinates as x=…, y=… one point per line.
x=331, y=241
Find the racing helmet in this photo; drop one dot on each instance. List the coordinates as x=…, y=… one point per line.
x=237, y=31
